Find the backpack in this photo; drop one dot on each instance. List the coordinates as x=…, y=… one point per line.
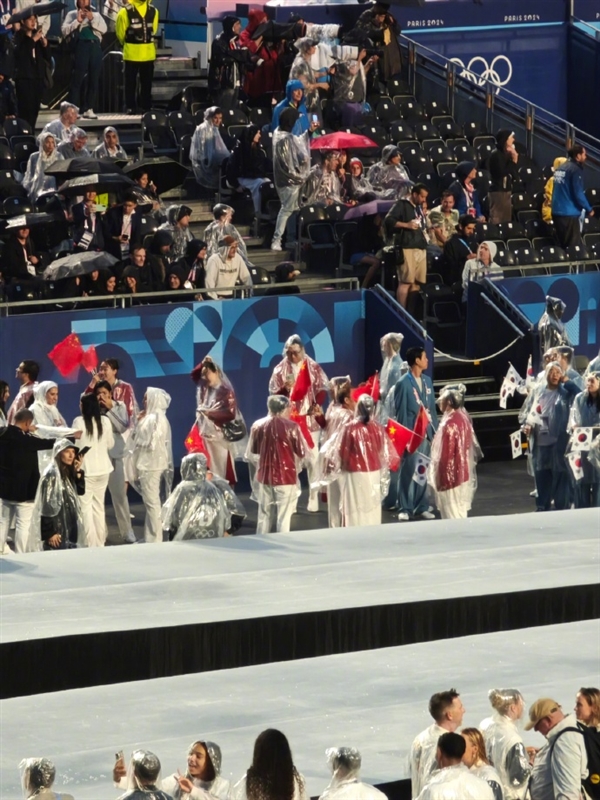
x=591, y=739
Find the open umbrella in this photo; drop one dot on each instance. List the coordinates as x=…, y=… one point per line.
x=29, y=221
x=78, y=264
x=83, y=165
x=366, y=209
x=37, y=10
x=340, y=140
x=96, y=183
x=164, y=173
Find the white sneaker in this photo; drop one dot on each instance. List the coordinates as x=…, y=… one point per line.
x=130, y=537
x=89, y=114
x=6, y=551
x=403, y=517
x=427, y=515
x=276, y=246
x=533, y=494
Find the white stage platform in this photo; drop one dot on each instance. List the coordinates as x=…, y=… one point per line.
x=47, y=595
x=374, y=700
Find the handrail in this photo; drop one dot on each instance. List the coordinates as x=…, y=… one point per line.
x=503, y=300
x=128, y=300
x=501, y=313
x=386, y=297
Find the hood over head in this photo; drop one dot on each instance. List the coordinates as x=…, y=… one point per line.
x=157, y=400
x=194, y=468
x=292, y=86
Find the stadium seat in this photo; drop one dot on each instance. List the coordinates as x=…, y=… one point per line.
x=181, y=124
x=7, y=158
x=14, y=206
x=386, y=112
x=21, y=153
x=156, y=131
x=425, y=130
x=193, y=95
x=522, y=202
x=438, y=152
x=434, y=108
x=234, y=116
x=410, y=109
x=397, y=87
x=401, y=131
x=578, y=252
x=462, y=151
x=269, y=202
x=260, y=276
x=448, y=128
x=473, y=128
x=260, y=116
x=184, y=150
x=550, y=254
x=511, y=230
x=16, y=126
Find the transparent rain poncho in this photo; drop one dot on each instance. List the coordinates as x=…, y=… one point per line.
x=360, y=186
x=393, y=367
x=218, y=230
x=56, y=497
x=37, y=778
x=208, y=151
x=291, y=158
x=35, y=180
x=181, y=236
x=349, y=82
x=49, y=422
x=143, y=778
x=197, y=508
x=506, y=752
x=218, y=787
x=593, y=366
x=550, y=327
x=389, y=181
x=149, y=448
x=345, y=783
x=285, y=373
x=302, y=70
x=457, y=781
x=321, y=187
x=219, y=408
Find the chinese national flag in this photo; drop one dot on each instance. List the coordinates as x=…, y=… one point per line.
x=375, y=391
x=370, y=387
x=301, y=420
x=194, y=443
x=89, y=359
x=399, y=435
x=419, y=431
x=67, y=355
x=302, y=384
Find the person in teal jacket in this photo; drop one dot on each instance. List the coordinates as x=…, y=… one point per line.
x=294, y=98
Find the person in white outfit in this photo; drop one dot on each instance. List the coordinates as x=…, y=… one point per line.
x=475, y=758
x=115, y=411
x=149, y=459
x=447, y=710
x=345, y=783
x=143, y=778
x=37, y=779
x=340, y=411
x=503, y=743
x=49, y=422
x=272, y=774
x=97, y=435
x=453, y=780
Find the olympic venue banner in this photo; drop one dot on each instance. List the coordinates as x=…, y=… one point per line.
x=580, y=293
x=586, y=10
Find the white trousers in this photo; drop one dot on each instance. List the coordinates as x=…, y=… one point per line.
x=275, y=508
x=361, y=498
x=313, y=471
x=334, y=500
x=454, y=503
x=150, y=486
x=118, y=494
x=21, y=513
x=93, y=511
x=219, y=455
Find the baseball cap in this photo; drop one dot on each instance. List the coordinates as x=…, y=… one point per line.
x=540, y=709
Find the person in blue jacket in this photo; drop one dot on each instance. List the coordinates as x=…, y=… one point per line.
x=568, y=198
x=294, y=98
x=411, y=392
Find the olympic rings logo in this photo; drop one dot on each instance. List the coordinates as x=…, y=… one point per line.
x=478, y=71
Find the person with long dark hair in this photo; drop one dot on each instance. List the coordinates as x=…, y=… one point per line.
x=272, y=774
x=97, y=434
x=585, y=413
x=4, y=395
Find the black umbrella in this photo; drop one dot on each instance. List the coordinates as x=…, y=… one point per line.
x=29, y=221
x=83, y=165
x=95, y=183
x=36, y=10
x=164, y=173
x=78, y=264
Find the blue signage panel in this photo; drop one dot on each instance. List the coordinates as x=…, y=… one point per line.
x=587, y=10
x=455, y=14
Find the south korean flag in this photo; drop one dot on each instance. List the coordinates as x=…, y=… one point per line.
x=535, y=415
x=576, y=463
x=420, y=473
x=581, y=439
x=506, y=390
x=515, y=444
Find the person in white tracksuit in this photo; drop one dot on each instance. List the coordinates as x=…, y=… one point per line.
x=345, y=783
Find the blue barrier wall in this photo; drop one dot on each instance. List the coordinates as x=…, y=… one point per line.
x=581, y=293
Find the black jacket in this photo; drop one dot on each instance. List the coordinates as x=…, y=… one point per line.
x=113, y=222
x=8, y=100
x=14, y=263
x=19, y=473
x=456, y=251
x=29, y=58
x=83, y=222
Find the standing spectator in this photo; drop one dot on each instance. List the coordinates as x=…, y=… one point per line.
x=564, y=355
x=60, y=127
x=585, y=412
x=35, y=181
x=389, y=177
x=447, y=710
x=224, y=269
x=87, y=27
x=8, y=98
x=272, y=774
x=115, y=411
x=221, y=227
x=561, y=764
x=110, y=146
x=228, y=60
x=569, y=202
x=466, y=196
x=248, y=166
x=549, y=189
x=37, y=778
x=122, y=227
x=377, y=27
x=291, y=166
x=136, y=27
x=476, y=269
x=19, y=477
x=98, y=436
x=27, y=374
x=265, y=79
x=503, y=170
x=503, y=743
x=405, y=225
x=551, y=328
x=4, y=396
x=275, y=449
x=443, y=219
x=75, y=147
x=44, y=21
x=453, y=779
x=345, y=783
x=208, y=150
x=295, y=99
x=32, y=61
x=149, y=461
x=587, y=707
x=302, y=71
x=178, y=225
x=340, y=412
x=121, y=390
x=476, y=760
x=57, y=521
x=455, y=452
x=460, y=248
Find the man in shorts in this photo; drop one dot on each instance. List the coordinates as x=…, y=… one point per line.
x=405, y=225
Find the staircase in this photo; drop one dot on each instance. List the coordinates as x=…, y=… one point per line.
x=171, y=76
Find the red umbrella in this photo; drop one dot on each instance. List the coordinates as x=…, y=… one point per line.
x=340, y=140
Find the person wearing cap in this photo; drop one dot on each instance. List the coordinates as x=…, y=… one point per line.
x=503, y=170
x=569, y=202
x=476, y=269
x=224, y=269
x=560, y=765
x=32, y=60
x=549, y=188
x=545, y=417
x=285, y=279
x=75, y=145
x=135, y=28
x=454, y=779
x=87, y=27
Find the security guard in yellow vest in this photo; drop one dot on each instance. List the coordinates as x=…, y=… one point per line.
x=135, y=27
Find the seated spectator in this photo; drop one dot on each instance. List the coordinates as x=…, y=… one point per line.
x=110, y=146
x=195, y=257
x=177, y=279
x=459, y=248
x=345, y=783
x=160, y=253
x=548, y=188
x=224, y=269
x=61, y=128
x=87, y=224
x=38, y=774
x=322, y=184
x=248, y=166
x=285, y=279
x=442, y=220
x=223, y=226
x=148, y=271
x=75, y=146
x=130, y=281
x=21, y=263
x=109, y=283
x=93, y=283
x=388, y=177
x=466, y=197
x=357, y=186
x=122, y=227
x=294, y=98
x=8, y=99
x=35, y=181
x=147, y=196
x=178, y=225
x=476, y=269
x=208, y=150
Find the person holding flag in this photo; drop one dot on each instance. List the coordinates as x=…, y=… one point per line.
x=339, y=413
x=392, y=369
x=413, y=406
x=304, y=382
x=585, y=414
x=454, y=453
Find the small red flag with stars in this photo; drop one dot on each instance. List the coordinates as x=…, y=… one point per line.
x=89, y=360
x=399, y=435
x=419, y=431
x=194, y=443
x=66, y=355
